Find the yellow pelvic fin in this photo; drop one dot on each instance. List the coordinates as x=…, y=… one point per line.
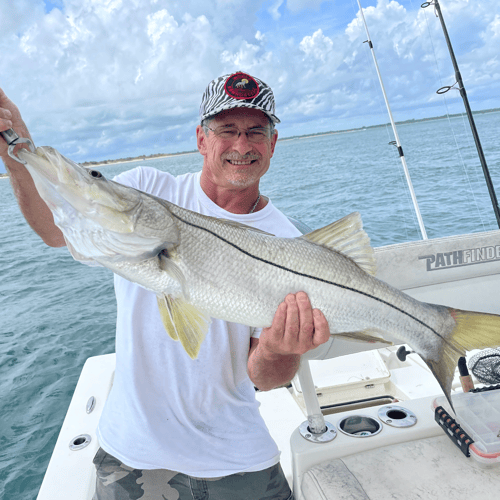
x=473, y=330
x=183, y=322
x=368, y=335
x=347, y=237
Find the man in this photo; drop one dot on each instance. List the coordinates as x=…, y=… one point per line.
x=176, y=428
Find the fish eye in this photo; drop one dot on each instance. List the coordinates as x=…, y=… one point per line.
x=96, y=174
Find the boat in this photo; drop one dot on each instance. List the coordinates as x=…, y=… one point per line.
x=359, y=421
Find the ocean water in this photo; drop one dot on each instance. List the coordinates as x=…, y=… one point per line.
x=55, y=312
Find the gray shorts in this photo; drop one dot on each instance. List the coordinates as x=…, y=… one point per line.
x=116, y=481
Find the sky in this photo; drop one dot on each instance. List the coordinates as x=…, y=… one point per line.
x=107, y=79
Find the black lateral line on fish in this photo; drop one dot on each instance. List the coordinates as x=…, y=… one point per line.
x=309, y=276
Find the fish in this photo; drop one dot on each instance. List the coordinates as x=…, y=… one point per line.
x=202, y=267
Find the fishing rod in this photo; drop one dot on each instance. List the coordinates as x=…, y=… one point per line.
x=398, y=143
x=463, y=93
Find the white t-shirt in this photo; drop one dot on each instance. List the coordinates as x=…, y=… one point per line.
x=165, y=410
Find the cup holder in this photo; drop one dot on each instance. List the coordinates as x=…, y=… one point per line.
x=360, y=426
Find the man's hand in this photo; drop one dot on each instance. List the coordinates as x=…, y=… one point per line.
x=10, y=117
x=297, y=328
x=34, y=209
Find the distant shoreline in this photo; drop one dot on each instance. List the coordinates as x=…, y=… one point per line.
x=126, y=160
x=138, y=158
x=404, y=122
x=104, y=163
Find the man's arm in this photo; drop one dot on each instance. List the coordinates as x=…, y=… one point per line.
x=34, y=209
x=297, y=328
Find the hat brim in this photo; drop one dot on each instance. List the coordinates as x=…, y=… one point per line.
x=237, y=104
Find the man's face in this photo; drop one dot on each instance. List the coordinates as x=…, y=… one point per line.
x=236, y=163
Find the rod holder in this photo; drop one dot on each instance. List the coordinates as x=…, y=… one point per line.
x=314, y=416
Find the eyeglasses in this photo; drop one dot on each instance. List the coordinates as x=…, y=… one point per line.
x=257, y=134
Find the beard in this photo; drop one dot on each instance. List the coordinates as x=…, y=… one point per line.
x=246, y=175
x=243, y=181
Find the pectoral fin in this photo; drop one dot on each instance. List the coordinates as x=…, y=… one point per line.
x=184, y=323
x=171, y=268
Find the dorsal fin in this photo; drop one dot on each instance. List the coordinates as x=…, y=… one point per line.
x=347, y=237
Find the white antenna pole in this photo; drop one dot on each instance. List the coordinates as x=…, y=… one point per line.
x=400, y=149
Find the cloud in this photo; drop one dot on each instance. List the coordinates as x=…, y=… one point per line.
x=99, y=65
x=317, y=46
x=113, y=78
x=274, y=9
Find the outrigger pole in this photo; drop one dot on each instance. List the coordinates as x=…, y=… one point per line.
x=461, y=88
x=398, y=143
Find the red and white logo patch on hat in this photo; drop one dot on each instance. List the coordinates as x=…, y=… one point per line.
x=241, y=86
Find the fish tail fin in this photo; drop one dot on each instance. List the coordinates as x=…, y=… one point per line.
x=472, y=330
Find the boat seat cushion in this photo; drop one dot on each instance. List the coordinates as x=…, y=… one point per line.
x=425, y=468
x=332, y=480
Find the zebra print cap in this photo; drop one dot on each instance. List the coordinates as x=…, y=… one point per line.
x=238, y=90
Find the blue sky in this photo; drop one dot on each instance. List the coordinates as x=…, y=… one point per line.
x=105, y=79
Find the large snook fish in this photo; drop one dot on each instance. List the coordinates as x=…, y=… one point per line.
x=201, y=267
